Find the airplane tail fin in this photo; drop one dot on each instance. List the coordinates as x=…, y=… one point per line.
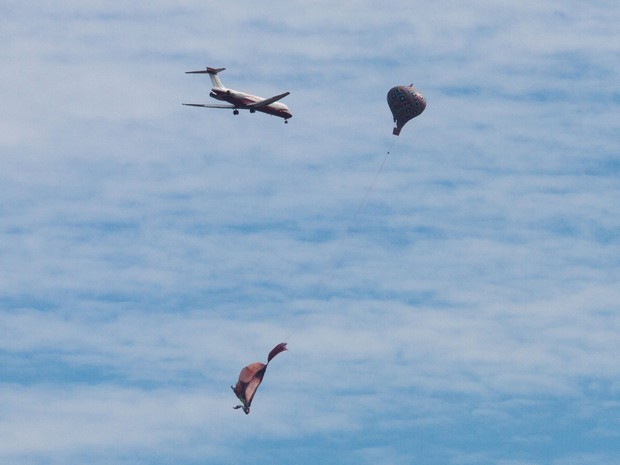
x=212, y=72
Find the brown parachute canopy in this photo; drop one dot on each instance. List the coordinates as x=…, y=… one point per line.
x=250, y=378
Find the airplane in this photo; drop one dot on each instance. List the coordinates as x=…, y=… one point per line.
x=241, y=100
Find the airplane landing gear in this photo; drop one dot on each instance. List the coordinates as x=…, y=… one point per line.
x=285, y=121
x=235, y=112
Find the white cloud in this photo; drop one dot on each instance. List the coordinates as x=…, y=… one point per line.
x=150, y=250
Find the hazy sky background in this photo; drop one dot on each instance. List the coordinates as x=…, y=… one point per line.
x=148, y=251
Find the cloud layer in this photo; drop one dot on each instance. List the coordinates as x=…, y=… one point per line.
x=466, y=314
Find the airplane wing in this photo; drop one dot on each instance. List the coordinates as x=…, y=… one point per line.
x=267, y=101
x=229, y=107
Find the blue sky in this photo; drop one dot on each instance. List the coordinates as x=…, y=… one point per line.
x=148, y=251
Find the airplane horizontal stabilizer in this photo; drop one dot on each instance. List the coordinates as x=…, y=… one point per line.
x=206, y=71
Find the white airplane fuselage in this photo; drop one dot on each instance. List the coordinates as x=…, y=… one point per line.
x=242, y=100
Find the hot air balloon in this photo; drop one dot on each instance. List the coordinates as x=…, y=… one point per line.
x=406, y=102
x=250, y=378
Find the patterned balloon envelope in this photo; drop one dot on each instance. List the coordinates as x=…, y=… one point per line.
x=406, y=102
